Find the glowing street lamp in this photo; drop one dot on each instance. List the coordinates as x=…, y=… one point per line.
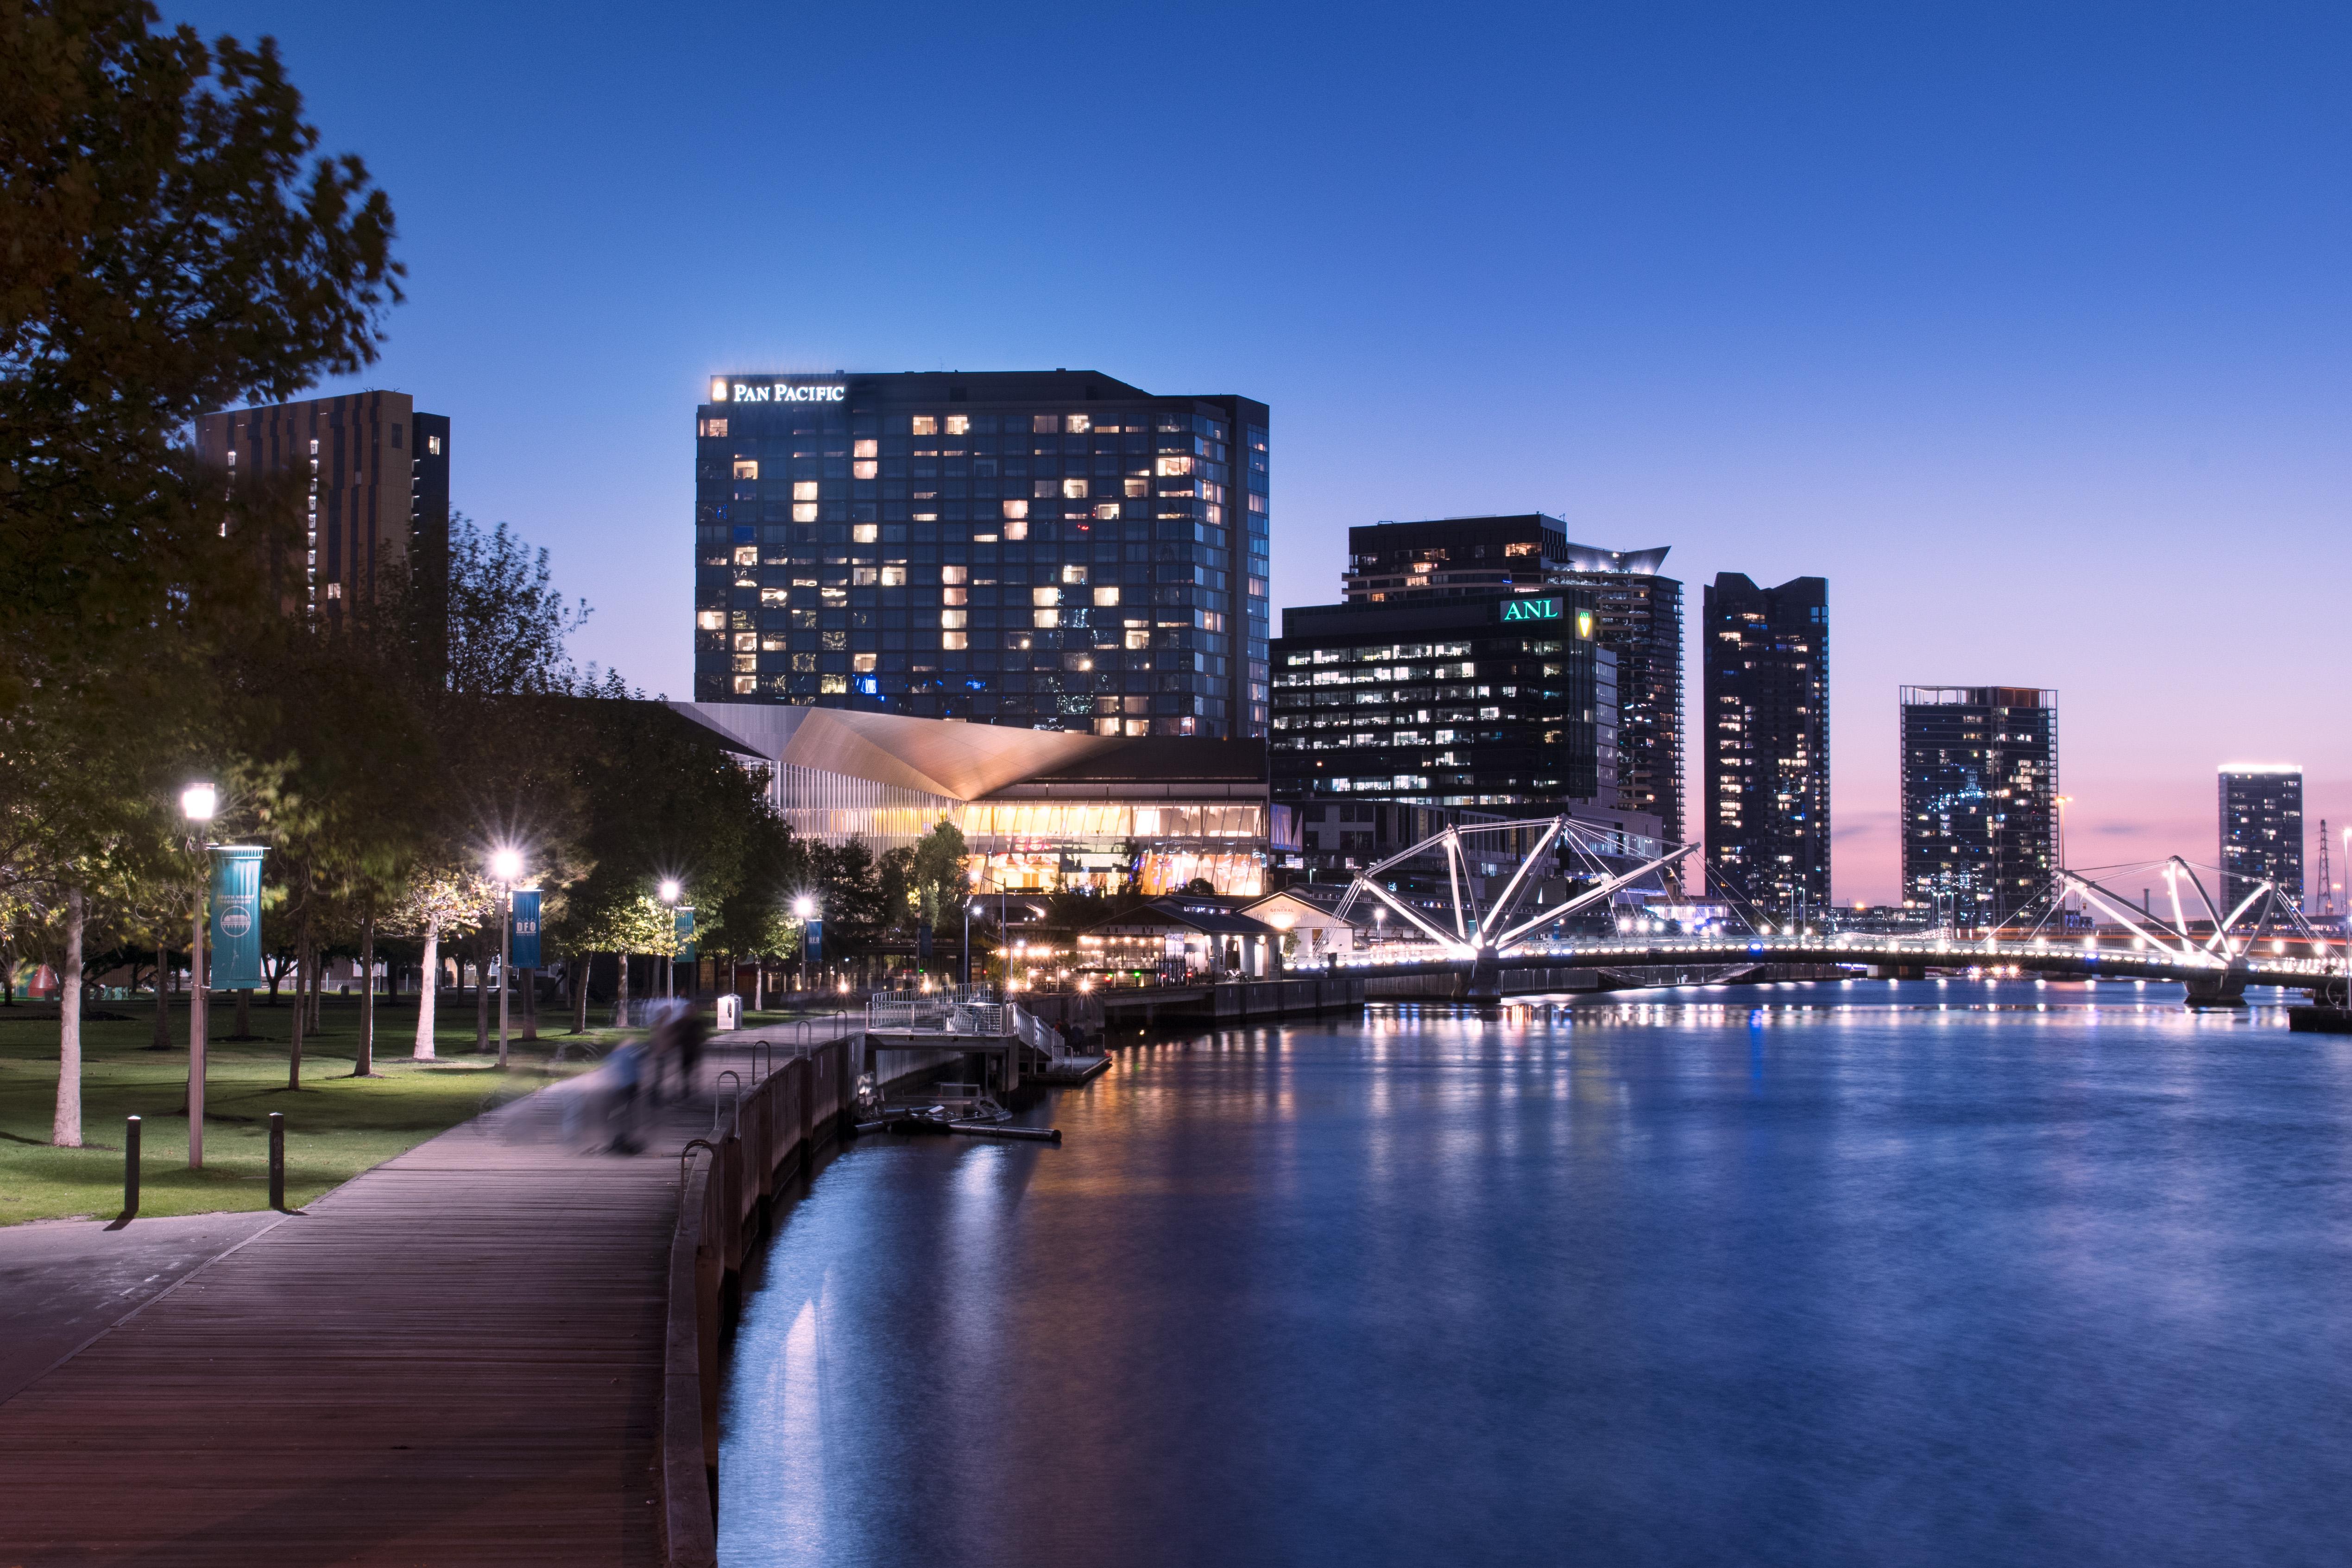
x=670, y=893
x=506, y=864
x=198, y=801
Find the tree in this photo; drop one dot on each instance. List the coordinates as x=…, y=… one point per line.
x=439, y=898
x=941, y=882
x=171, y=249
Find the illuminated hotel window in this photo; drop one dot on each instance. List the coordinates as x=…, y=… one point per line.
x=803, y=489
x=711, y=619
x=1048, y=595
x=804, y=511
x=1044, y=424
x=1078, y=423
x=865, y=468
x=865, y=533
x=868, y=449
x=1016, y=509
x=925, y=424
x=747, y=468
x=1105, y=596
x=863, y=663
x=1012, y=531
x=958, y=424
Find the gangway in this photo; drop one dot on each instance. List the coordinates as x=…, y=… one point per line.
x=976, y=1021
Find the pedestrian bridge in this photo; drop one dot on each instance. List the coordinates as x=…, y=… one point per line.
x=2264, y=940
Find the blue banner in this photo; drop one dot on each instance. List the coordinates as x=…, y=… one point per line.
x=812, y=943
x=685, y=932
x=237, y=918
x=525, y=929
x=923, y=943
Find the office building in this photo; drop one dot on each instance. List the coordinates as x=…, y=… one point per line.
x=373, y=475
x=1980, y=799
x=1766, y=688
x=1478, y=702
x=1052, y=550
x=1040, y=811
x=2262, y=831
x=1637, y=611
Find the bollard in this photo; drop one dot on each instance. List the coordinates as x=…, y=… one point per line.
x=278, y=1160
x=130, y=1166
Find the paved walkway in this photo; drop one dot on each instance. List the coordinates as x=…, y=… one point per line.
x=454, y=1358
x=64, y=1282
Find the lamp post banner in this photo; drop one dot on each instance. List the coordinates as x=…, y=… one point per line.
x=237, y=918
x=812, y=943
x=685, y=936
x=525, y=929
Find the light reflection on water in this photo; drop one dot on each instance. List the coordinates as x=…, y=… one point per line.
x=1917, y=1272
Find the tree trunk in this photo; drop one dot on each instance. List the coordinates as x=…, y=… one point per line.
x=580, y=969
x=365, y=1066
x=427, y=993
x=481, y=994
x=301, y=1002
x=530, y=987
x=623, y=995
x=162, y=1041
x=758, y=985
x=65, y=1129
x=318, y=1003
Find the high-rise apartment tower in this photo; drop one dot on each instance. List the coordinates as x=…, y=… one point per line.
x=1980, y=799
x=2262, y=831
x=373, y=478
x=1766, y=739
x=1054, y=549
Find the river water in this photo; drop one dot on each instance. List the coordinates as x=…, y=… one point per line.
x=1919, y=1273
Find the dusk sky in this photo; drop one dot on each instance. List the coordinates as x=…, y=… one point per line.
x=2024, y=326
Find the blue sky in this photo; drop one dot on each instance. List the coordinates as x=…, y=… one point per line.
x=2025, y=326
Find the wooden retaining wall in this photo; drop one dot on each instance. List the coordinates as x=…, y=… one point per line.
x=727, y=1183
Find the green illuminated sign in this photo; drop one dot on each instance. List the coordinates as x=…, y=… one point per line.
x=1535, y=609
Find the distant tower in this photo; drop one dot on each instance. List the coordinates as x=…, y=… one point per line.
x=2262, y=830
x=2326, y=882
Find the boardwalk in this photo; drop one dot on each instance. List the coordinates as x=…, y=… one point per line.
x=455, y=1358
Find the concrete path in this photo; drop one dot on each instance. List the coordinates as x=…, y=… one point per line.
x=454, y=1358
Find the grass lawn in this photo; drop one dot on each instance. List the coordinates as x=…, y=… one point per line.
x=336, y=1126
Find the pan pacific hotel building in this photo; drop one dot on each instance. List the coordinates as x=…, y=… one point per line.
x=1055, y=551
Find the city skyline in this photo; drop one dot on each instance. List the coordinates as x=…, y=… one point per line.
x=1995, y=324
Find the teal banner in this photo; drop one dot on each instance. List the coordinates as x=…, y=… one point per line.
x=237, y=918
x=685, y=936
x=525, y=929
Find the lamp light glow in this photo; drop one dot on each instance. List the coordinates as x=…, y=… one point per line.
x=199, y=802
x=670, y=890
x=506, y=864
x=804, y=908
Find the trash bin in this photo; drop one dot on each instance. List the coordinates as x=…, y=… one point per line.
x=730, y=1011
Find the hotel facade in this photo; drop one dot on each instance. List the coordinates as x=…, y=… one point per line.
x=1054, y=549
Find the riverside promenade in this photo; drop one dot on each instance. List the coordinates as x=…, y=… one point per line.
x=454, y=1358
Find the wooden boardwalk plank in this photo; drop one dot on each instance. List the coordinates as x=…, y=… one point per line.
x=455, y=1358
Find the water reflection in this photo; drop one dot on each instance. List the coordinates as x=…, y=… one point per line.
x=1880, y=1272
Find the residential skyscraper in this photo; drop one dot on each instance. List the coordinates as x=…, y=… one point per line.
x=377, y=497
x=2262, y=830
x=1054, y=549
x=1980, y=799
x=1637, y=613
x=1765, y=684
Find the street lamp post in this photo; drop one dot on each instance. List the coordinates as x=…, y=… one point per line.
x=670, y=892
x=803, y=911
x=197, y=803
x=507, y=866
